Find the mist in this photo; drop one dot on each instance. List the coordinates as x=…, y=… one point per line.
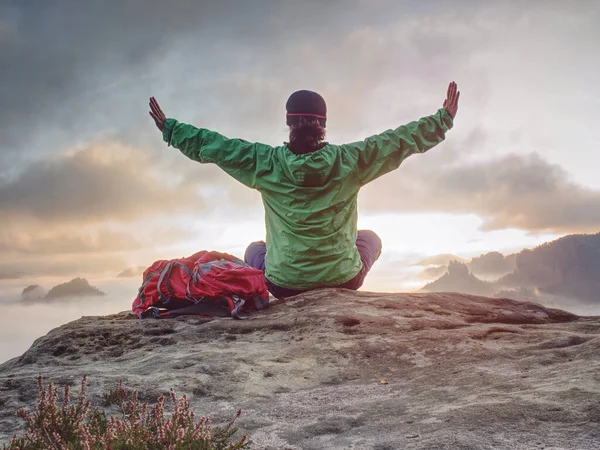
x=22, y=323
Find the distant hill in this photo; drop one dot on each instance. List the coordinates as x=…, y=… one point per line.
x=33, y=293
x=493, y=263
x=489, y=266
x=78, y=287
x=568, y=267
x=459, y=279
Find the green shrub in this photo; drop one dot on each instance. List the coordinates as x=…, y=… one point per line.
x=75, y=425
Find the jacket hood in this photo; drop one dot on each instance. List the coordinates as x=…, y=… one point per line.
x=309, y=169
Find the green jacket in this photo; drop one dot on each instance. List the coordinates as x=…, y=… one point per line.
x=310, y=199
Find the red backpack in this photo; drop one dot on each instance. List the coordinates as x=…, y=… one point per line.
x=206, y=283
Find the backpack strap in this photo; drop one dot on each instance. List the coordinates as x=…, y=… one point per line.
x=215, y=307
x=147, y=280
x=237, y=309
x=191, y=274
x=152, y=311
x=168, y=281
x=141, y=294
x=161, y=298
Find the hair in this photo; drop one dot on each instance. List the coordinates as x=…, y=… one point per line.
x=306, y=135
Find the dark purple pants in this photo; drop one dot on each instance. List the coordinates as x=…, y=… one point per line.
x=367, y=243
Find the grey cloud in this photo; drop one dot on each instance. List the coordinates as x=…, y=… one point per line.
x=91, y=185
x=34, y=248
x=65, y=57
x=523, y=192
x=55, y=241
x=353, y=69
x=79, y=69
x=26, y=267
x=97, y=60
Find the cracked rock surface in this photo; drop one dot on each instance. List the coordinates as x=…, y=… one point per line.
x=337, y=369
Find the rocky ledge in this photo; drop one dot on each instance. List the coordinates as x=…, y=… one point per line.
x=335, y=369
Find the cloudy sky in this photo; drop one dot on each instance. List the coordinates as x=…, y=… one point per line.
x=87, y=187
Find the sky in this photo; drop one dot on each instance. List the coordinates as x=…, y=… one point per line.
x=88, y=187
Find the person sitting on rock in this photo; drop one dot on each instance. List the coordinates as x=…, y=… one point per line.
x=309, y=189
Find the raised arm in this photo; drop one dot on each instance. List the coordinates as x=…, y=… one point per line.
x=244, y=161
x=382, y=153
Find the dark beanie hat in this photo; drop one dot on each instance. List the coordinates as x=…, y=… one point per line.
x=308, y=104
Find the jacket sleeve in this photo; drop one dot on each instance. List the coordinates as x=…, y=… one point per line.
x=382, y=153
x=243, y=160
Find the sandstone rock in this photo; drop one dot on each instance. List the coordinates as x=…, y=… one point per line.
x=522, y=294
x=335, y=369
x=77, y=287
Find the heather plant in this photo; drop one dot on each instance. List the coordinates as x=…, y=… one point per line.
x=75, y=425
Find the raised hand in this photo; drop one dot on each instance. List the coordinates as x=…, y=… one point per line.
x=157, y=114
x=451, y=102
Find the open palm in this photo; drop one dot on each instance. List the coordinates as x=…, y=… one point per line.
x=157, y=114
x=451, y=102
